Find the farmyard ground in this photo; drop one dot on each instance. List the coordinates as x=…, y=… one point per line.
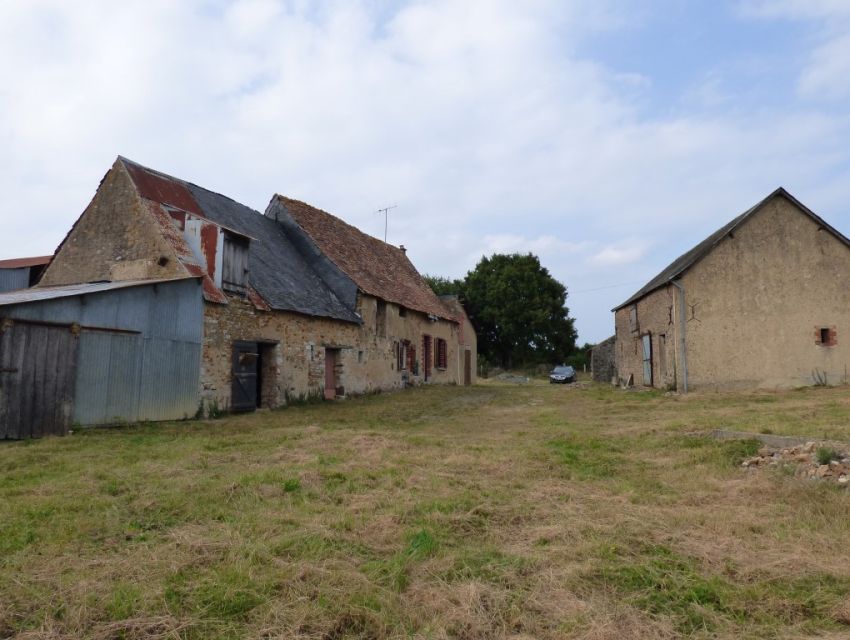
x=497, y=511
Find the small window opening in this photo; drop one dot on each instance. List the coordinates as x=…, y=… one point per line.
x=360, y=357
x=824, y=335
x=402, y=312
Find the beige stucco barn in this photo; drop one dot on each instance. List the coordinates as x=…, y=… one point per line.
x=763, y=302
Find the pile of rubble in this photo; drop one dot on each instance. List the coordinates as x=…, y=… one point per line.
x=812, y=461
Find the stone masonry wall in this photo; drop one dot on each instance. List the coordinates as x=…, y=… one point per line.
x=293, y=353
x=114, y=239
x=602, y=367
x=657, y=317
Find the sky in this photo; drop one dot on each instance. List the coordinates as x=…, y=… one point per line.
x=605, y=136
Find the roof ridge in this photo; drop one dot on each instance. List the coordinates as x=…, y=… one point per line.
x=187, y=183
x=347, y=224
x=696, y=253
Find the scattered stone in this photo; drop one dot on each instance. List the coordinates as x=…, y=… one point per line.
x=804, y=458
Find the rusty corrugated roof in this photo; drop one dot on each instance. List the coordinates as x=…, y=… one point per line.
x=23, y=263
x=376, y=267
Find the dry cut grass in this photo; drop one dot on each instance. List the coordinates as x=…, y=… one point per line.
x=488, y=512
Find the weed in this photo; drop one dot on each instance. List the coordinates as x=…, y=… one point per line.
x=290, y=485
x=588, y=458
x=825, y=455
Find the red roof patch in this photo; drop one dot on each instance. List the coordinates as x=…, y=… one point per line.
x=22, y=263
x=160, y=189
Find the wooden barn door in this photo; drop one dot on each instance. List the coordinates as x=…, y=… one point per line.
x=38, y=364
x=245, y=392
x=646, y=341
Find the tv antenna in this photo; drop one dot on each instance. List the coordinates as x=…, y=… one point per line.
x=386, y=212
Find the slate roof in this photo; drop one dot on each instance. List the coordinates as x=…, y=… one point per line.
x=376, y=267
x=277, y=271
x=690, y=258
x=22, y=263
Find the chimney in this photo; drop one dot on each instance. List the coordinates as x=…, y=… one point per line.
x=403, y=249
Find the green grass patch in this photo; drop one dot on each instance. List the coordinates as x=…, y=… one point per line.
x=588, y=458
x=666, y=584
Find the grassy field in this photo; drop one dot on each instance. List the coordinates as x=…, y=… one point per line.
x=495, y=511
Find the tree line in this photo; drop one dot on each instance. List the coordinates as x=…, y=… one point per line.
x=518, y=309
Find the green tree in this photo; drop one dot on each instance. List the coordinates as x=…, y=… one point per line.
x=444, y=286
x=519, y=311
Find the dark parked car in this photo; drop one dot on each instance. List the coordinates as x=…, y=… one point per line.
x=562, y=375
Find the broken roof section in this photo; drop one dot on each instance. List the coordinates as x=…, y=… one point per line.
x=277, y=271
x=690, y=258
x=376, y=268
x=23, y=263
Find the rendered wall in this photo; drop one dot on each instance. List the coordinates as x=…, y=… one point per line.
x=754, y=309
x=757, y=302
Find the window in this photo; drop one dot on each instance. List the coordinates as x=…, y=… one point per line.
x=402, y=312
x=441, y=354
x=826, y=336
x=633, y=319
x=234, y=274
x=401, y=355
x=381, y=319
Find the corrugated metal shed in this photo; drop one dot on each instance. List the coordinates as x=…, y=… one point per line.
x=12, y=279
x=139, y=345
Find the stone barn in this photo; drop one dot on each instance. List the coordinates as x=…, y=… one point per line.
x=296, y=303
x=763, y=302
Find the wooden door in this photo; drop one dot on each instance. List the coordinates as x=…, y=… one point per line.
x=38, y=364
x=647, y=359
x=467, y=367
x=331, y=356
x=427, y=357
x=245, y=391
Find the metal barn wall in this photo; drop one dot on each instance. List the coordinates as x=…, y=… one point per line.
x=143, y=360
x=14, y=279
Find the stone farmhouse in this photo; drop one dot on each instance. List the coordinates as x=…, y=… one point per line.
x=296, y=303
x=761, y=303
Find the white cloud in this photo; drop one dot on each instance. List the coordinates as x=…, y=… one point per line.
x=480, y=119
x=827, y=67
x=619, y=255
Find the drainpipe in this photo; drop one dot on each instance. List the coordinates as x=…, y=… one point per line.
x=682, y=323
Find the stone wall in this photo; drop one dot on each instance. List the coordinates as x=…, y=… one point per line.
x=293, y=350
x=114, y=239
x=602, y=367
x=656, y=317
